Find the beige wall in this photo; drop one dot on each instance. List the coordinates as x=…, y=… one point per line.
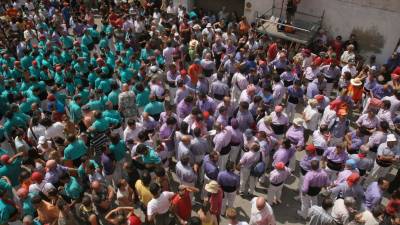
x=376, y=23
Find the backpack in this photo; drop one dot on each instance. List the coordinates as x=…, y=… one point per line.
x=258, y=168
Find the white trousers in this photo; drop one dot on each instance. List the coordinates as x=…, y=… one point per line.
x=292, y=162
x=306, y=203
x=290, y=111
x=332, y=174
x=301, y=180
x=274, y=193
x=376, y=172
x=233, y=154
x=223, y=159
x=328, y=89
x=247, y=182
x=228, y=200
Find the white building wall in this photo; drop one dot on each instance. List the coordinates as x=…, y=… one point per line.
x=376, y=23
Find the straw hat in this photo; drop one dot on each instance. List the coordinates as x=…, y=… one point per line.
x=212, y=187
x=356, y=82
x=298, y=121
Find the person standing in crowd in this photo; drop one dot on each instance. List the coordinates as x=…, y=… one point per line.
x=334, y=159
x=313, y=182
x=385, y=157
x=245, y=165
x=277, y=178
x=319, y=215
x=230, y=183
x=261, y=212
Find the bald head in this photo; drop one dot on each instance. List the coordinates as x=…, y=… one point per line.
x=260, y=203
x=186, y=139
x=51, y=164
x=95, y=185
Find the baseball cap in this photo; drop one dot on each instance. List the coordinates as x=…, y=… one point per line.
x=310, y=148
x=280, y=165
x=353, y=179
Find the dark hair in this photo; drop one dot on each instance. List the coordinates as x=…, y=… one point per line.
x=230, y=166
x=171, y=121
x=381, y=180
x=64, y=176
x=197, y=132
x=286, y=143
x=131, y=122
x=384, y=125
x=377, y=210
x=61, y=203
x=154, y=189
x=327, y=203
x=114, y=138
x=36, y=199
x=146, y=178
x=142, y=135
x=184, y=127
x=141, y=148
x=159, y=171
x=314, y=164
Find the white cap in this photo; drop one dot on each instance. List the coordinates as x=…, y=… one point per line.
x=391, y=137
x=42, y=140
x=153, y=69
x=209, y=25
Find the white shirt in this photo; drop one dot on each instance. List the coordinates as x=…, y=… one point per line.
x=310, y=73
x=394, y=104
x=130, y=134
x=369, y=218
x=339, y=212
x=240, y=223
x=161, y=204
x=38, y=130
x=263, y=217
x=352, y=70
x=312, y=115
x=55, y=130
x=37, y=188
x=168, y=54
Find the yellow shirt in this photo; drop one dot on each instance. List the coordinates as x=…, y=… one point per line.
x=144, y=193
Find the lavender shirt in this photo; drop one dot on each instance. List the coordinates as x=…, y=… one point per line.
x=283, y=155
x=330, y=154
x=313, y=178
x=296, y=135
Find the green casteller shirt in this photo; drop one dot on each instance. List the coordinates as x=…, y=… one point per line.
x=154, y=108
x=73, y=189
x=75, y=150
x=113, y=114
x=75, y=112
x=12, y=171
x=102, y=124
x=6, y=210
x=81, y=169
x=118, y=150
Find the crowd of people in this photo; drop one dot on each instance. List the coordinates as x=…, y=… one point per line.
x=142, y=112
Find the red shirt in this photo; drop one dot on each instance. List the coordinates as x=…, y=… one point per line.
x=182, y=205
x=272, y=51
x=393, y=206
x=134, y=220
